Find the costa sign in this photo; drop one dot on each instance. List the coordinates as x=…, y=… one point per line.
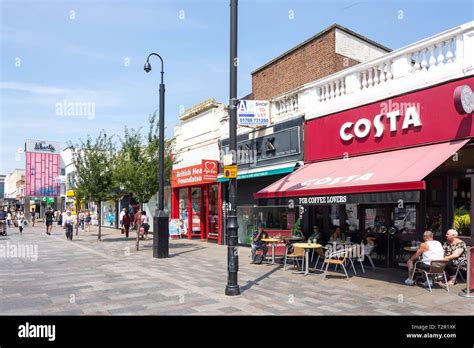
x=424, y=117
x=203, y=173
x=363, y=127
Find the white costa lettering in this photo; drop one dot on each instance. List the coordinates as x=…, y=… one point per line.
x=331, y=181
x=362, y=128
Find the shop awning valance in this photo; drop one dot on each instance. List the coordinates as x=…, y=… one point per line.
x=397, y=170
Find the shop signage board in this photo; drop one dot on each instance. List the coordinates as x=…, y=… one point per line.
x=203, y=173
x=253, y=112
x=423, y=117
x=230, y=172
x=174, y=227
x=43, y=146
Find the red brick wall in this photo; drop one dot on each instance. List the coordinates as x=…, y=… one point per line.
x=313, y=61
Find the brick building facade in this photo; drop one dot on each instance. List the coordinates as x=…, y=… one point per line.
x=327, y=52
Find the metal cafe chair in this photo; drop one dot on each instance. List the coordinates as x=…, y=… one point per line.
x=298, y=253
x=336, y=258
x=458, y=270
x=436, y=268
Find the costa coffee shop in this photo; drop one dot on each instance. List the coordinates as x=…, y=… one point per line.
x=194, y=200
x=392, y=168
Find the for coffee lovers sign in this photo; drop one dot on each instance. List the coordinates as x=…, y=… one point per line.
x=203, y=173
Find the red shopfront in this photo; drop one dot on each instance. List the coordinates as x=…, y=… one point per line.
x=393, y=168
x=195, y=200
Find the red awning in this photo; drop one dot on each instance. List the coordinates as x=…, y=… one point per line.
x=399, y=170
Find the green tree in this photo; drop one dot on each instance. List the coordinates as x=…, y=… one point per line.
x=137, y=162
x=94, y=164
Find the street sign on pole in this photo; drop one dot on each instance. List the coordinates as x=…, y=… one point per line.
x=230, y=172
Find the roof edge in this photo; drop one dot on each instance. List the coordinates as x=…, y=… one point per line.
x=321, y=33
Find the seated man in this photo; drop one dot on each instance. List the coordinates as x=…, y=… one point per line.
x=455, y=251
x=257, y=243
x=429, y=250
x=316, y=235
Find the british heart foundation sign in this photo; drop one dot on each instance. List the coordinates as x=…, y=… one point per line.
x=204, y=173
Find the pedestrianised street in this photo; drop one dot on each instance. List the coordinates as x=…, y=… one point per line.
x=85, y=276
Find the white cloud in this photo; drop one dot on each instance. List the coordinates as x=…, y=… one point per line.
x=50, y=95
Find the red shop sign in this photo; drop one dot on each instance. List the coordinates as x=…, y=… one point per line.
x=204, y=173
x=428, y=116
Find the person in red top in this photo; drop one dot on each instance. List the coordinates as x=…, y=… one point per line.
x=126, y=221
x=136, y=220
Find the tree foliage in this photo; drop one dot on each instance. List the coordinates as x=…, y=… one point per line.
x=94, y=164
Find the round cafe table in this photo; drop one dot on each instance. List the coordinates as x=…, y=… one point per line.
x=307, y=247
x=411, y=249
x=272, y=241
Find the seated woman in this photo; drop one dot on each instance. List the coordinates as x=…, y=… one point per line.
x=455, y=251
x=337, y=236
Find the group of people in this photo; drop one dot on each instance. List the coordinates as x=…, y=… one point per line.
x=128, y=220
x=454, y=251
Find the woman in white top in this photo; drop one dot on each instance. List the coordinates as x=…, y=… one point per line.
x=145, y=224
x=429, y=250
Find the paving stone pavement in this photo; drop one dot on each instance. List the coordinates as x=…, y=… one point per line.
x=90, y=277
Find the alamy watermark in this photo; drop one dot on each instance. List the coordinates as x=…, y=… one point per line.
x=23, y=251
x=70, y=108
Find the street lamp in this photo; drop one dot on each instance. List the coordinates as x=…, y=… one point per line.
x=232, y=288
x=160, y=219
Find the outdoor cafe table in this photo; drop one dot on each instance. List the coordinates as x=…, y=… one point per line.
x=307, y=247
x=411, y=249
x=272, y=241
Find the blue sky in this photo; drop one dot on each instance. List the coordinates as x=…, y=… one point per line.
x=77, y=51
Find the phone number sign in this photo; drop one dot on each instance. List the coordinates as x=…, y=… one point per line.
x=253, y=112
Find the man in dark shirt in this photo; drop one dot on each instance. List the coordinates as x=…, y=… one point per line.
x=258, y=243
x=48, y=217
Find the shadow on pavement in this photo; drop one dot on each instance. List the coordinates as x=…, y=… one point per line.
x=251, y=283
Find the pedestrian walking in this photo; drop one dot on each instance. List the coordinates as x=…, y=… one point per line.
x=9, y=218
x=68, y=222
x=48, y=218
x=122, y=214
x=33, y=218
x=22, y=223
x=126, y=220
x=3, y=223
x=60, y=218
x=145, y=224
x=82, y=219
x=88, y=220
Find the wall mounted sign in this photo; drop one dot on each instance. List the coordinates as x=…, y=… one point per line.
x=203, y=173
x=269, y=149
x=42, y=146
x=253, y=112
x=423, y=117
x=463, y=100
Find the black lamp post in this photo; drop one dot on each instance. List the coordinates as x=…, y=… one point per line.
x=232, y=288
x=160, y=219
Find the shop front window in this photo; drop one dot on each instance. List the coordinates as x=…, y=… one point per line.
x=213, y=211
x=279, y=218
x=462, y=205
x=434, y=206
x=334, y=217
x=108, y=213
x=183, y=210
x=196, y=210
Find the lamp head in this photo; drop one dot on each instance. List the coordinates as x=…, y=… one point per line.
x=147, y=66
